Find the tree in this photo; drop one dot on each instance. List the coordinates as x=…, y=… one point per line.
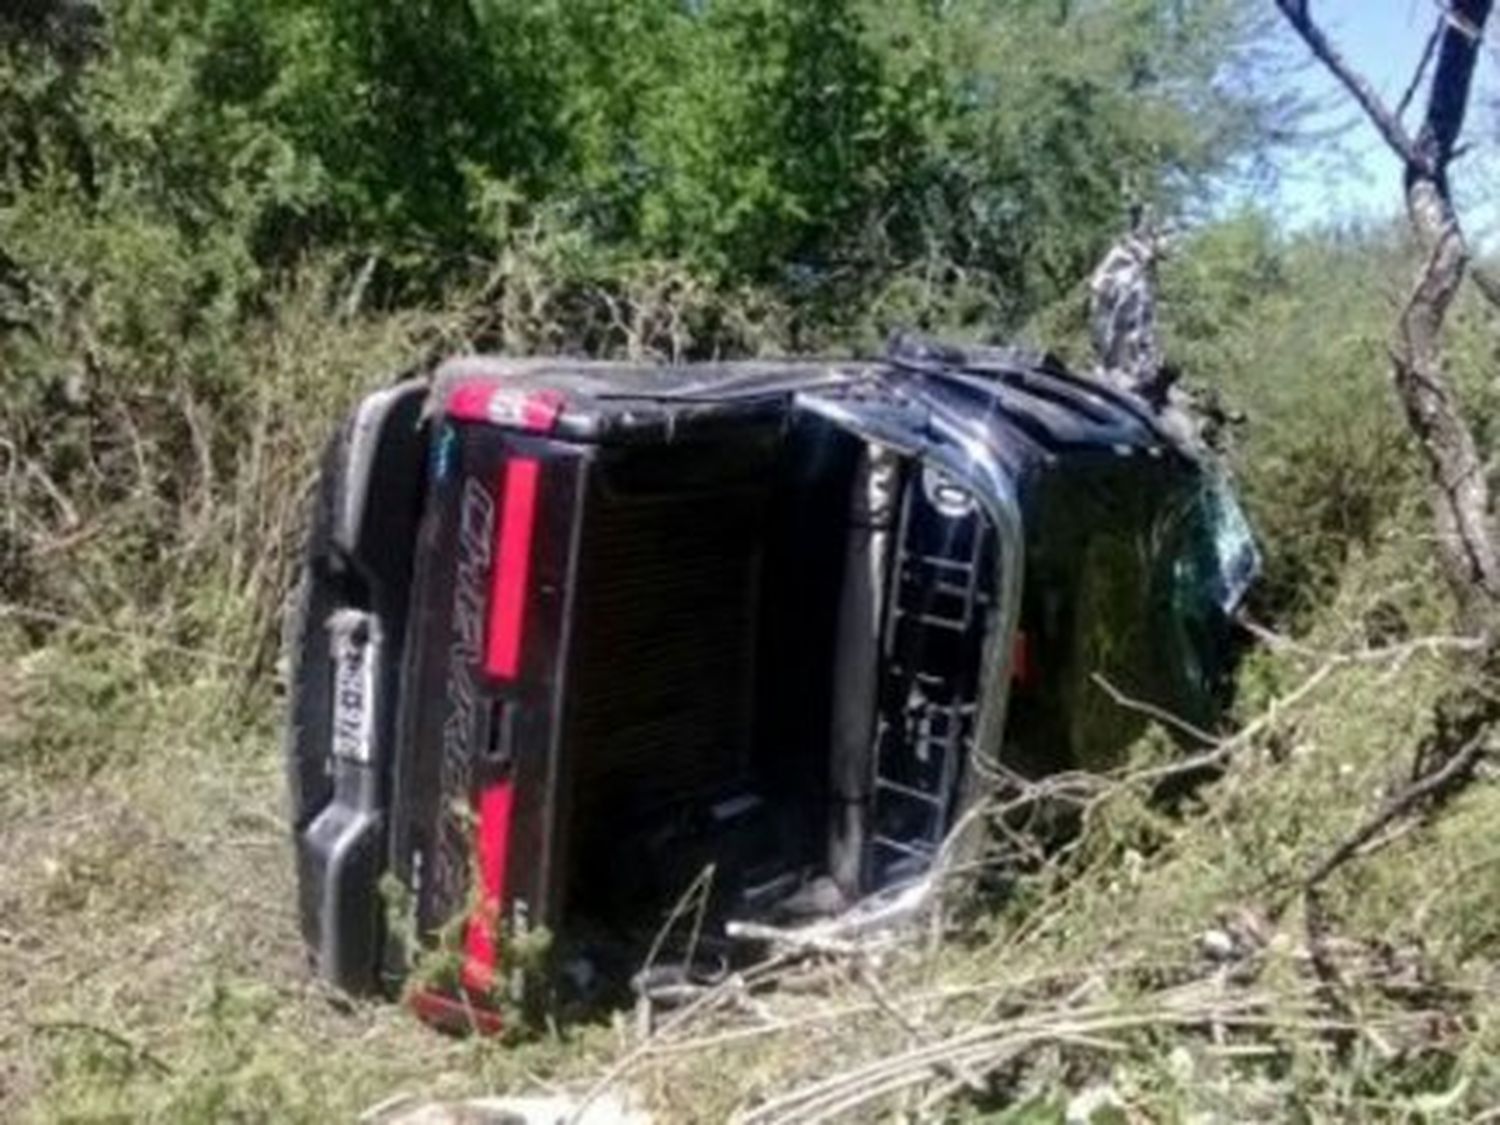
x=1462, y=502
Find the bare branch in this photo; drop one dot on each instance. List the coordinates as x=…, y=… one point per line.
x=957, y=1072
x=1380, y=115
x=1152, y=711
x=1433, y=784
x=1429, y=49
x=1462, y=504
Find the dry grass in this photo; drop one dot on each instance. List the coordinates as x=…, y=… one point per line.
x=149, y=953
x=148, y=950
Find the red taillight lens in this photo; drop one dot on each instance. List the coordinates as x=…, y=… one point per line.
x=480, y=400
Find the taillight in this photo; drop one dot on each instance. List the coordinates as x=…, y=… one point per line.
x=480, y=400
x=492, y=852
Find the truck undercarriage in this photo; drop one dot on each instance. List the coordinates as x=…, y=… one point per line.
x=575, y=638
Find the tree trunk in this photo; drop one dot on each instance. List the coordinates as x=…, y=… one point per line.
x=1466, y=530
x=1461, y=492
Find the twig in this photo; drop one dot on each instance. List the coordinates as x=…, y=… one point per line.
x=959, y=1073
x=1151, y=710
x=730, y=985
x=808, y=939
x=356, y=296
x=1226, y=748
x=694, y=898
x=922, y=998
x=1430, y=785
x=1428, y=50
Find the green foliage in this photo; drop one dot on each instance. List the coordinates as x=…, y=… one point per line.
x=810, y=146
x=1294, y=332
x=190, y=191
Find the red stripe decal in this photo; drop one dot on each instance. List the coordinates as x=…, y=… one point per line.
x=491, y=847
x=512, y=562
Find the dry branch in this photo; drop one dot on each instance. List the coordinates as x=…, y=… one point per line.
x=1220, y=750
x=1152, y=711
x=985, y=1047
x=1389, y=125
x=1434, y=784
x=731, y=986
x=1429, y=49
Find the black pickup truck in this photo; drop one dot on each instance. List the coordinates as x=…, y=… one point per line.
x=569, y=632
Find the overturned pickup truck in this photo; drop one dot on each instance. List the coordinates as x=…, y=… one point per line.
x=569, y=634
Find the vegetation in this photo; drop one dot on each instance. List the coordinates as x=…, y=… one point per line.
x=221, y=220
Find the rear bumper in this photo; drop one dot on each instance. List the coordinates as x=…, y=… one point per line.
x=347, y=641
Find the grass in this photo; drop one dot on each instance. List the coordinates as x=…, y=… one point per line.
x=148, y=946
x=149, y=954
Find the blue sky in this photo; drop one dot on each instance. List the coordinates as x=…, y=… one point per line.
x=1352, y=176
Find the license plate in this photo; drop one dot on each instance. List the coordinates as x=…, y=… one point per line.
x=355, y=642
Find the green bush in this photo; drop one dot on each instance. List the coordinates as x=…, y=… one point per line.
x=1294, y=332
x=212, y=214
